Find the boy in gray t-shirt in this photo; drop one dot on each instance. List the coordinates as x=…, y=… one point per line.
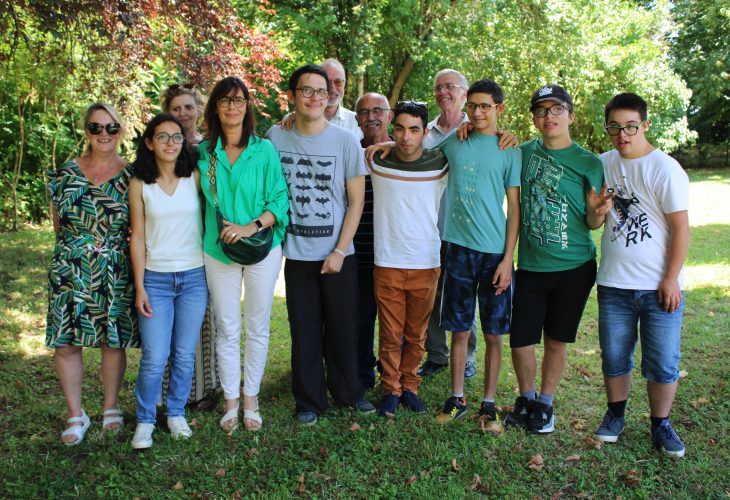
x=324, y=170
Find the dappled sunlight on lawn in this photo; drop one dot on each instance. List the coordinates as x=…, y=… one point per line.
x=709, y=203
x=704, y=275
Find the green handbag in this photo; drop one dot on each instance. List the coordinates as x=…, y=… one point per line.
x=246, y=251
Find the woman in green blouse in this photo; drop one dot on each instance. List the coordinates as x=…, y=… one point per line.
x=252, y=195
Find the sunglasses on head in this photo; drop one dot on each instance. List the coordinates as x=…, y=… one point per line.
x=176, y=89
x=96, y=128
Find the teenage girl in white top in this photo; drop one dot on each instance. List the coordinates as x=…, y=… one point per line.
x=169, y=277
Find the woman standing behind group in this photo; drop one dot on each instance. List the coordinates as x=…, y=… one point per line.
x=186, y=103
x=167, y=259
x=90, y=290
x=244, y=173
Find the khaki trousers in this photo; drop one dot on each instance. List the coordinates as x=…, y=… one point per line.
x=405, y=300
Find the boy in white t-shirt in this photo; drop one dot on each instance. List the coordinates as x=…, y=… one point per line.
x=407, y=187
x=643, y=249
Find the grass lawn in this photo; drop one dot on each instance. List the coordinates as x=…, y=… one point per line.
x=348, y=455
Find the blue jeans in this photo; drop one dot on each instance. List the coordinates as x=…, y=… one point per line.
x=619, y=312
x=178, y=302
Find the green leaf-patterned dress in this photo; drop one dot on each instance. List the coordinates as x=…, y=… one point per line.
x=90, y=292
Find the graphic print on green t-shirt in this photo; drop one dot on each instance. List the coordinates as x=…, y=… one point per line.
x=554, y=235
x=545, y=213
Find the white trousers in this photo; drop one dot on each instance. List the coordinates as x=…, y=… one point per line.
x=224, y=285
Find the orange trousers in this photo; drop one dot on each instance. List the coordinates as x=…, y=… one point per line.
x=405, y=300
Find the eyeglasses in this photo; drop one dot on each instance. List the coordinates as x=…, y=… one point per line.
x=337, y=81
x=95, y=128
x=614, y=130
x=164, y=138
x=556, y=110
x=238, y=102
x=309, y=92
x=447, y=86
x=363, y=112
x=483, y=106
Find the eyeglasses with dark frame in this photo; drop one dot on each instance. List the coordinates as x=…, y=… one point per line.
x=164, y=138
x=483, y=106
x=556, y=110
x=309, y=92
x=95, y=128
x=615, y=130
x=363, y=112
x=237, y=101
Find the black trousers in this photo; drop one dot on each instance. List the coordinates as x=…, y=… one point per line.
x=367, y=312
x=323, y=322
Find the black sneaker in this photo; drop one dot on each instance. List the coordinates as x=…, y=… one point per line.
x=488, y=411
x=388, y=405
x=541, y=419
x=453, y=408
x=430, y=368
x=520, y=412
x=412, y=402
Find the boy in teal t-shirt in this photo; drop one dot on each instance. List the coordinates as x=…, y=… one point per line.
x=480, y=243
x=557, y=258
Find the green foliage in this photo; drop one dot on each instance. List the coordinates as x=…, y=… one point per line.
x=701, y=54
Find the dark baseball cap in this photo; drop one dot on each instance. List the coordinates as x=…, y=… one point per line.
x=551, y=92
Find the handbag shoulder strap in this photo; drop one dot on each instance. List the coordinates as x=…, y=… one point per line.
x=213, y=159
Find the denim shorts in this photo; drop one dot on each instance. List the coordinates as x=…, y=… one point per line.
x=467, y=277
x=620, y=311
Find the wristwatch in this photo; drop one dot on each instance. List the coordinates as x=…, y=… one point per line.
x=258, y=225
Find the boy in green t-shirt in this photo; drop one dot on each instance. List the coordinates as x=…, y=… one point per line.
x=480, y=243
x=557, y=257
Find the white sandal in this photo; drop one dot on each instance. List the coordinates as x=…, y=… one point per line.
x=112, y=416
x=230, y=415
x=253, y=415
x=76, y=430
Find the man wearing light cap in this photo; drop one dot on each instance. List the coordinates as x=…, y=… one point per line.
x=556, y=257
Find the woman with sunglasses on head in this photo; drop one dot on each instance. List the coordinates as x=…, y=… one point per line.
x=169, y=278
x=241, y=178
x=91, y=297
x=186, y=103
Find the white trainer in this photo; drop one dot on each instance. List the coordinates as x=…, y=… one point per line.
x=179, y=427
x=143, y=436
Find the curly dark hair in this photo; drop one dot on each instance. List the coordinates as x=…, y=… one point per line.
x=213, y=121
x=145, y=166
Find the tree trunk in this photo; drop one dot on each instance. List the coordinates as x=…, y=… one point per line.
x=400, y=80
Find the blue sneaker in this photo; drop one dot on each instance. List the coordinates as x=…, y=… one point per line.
x=470, y=369
x=664, y=438
x=388, y=405
x=364, y=406
x=610, y=428
x=412, y=402
x=306, y=418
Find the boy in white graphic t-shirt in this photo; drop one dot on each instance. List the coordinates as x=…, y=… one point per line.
x=643, y=249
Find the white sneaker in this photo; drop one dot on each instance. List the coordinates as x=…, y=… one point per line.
x=143, y=436
x=179, y=427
